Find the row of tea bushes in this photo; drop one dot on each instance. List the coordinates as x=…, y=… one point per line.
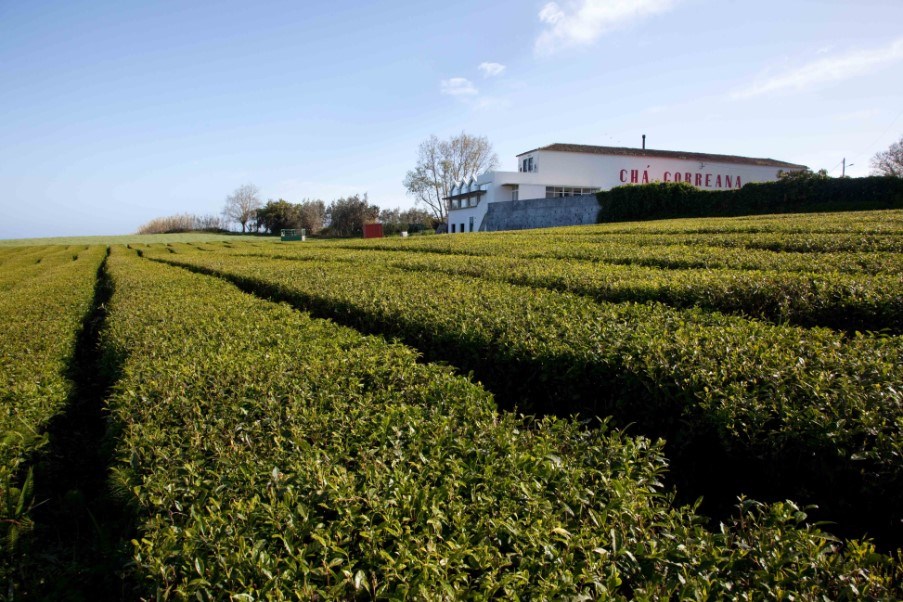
x=841, y=301
x=868, y=223
x=18, y=264
x=675, y=256
x=272, y=455
x=788, y=242
x=854, y=242
x=813, y=413
x=671, y=254
x=41, y=316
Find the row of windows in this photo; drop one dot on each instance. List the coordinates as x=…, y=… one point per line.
x=553, y=192
x=464, y=203
x=454, y=227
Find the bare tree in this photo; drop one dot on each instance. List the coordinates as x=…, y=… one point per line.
x=242, y=204
x=889, y=162
x=441, y=163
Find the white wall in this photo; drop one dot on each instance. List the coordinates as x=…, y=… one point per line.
x=608, y=171
x=587, y=170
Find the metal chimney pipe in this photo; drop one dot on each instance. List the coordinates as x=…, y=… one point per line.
x=644, y=141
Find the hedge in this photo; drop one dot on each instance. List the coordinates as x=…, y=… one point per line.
x=677, y=200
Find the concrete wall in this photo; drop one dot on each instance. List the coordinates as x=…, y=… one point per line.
x=541, y=213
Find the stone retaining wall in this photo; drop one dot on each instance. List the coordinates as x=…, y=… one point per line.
x=541, y=213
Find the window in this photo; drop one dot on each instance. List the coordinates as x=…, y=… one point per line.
x=554, y=192
x=471, y=223
x=528, y=164
x=515, y=191
x=462, y=227
x=453, y=228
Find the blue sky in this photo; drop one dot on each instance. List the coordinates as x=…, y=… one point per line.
x=114, y=113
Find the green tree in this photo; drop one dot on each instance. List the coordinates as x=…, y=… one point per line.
x=410, y=220
x=276, y=215
x=312, y=215
x=803, y=175
x=347, y=216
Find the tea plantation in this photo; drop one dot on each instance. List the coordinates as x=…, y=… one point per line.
x=687, y=409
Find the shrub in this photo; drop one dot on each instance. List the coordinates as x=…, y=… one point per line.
x=794, y=194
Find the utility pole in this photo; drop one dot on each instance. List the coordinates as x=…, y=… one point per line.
x=843, y=172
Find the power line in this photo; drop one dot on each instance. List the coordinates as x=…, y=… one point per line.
x=872, y=144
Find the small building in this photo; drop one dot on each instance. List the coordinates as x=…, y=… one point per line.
x=374, y=230
x=564, y=170
x=288, y=234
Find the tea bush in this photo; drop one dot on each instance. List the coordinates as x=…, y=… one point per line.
x=842, y=301
x=272, y=455
x=810, y=412
x=19, y=264
x=41, y=309
x=860, y=242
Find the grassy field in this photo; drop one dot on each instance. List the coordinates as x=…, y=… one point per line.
x=568, y=413
x=126, y=239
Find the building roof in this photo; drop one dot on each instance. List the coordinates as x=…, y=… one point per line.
x=662, y=154
x=464, y=195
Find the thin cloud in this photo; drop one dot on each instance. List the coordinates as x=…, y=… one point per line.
x=582, y=22
x=491, y=103
x=829, y=70
x=295, y=190
x=491, y=69
x=458, y=86
x=861, y=115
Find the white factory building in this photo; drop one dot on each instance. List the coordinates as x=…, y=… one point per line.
x=561, y=170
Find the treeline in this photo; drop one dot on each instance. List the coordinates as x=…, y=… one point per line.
x=278, y=215
x=791, y=194
x=343, y=217
x=183, y=222
x=410, y=220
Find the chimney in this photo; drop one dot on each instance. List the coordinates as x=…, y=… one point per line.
x=644, y=141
